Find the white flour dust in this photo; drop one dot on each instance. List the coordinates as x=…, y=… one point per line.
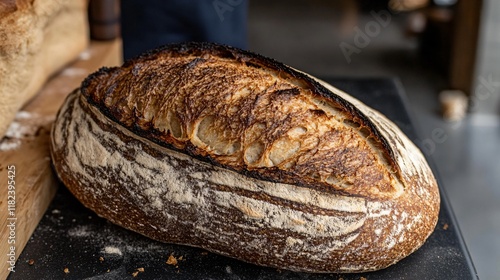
x=112, y=250
x=25, y=125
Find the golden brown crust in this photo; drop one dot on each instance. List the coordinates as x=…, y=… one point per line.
x=248, y=103
x=8, y=7
x=218, y=148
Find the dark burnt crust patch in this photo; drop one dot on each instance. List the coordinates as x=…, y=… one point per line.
x=98, y=82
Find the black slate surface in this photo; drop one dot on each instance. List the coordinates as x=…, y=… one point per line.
x=73, y=237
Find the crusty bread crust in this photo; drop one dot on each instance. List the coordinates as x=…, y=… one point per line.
x=37, y=38
x=211, y=146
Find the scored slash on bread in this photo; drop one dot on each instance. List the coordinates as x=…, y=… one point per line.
x=219, y=148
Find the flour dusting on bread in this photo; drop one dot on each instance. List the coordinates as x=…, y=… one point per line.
x=218, y=148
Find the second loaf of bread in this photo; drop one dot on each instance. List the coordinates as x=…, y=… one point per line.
x=219, y=148
x=37, y=38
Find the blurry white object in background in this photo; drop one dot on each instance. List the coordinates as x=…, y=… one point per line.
x=453, y=104
x=417, y=22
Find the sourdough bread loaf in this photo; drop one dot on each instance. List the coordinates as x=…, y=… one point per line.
x=223, y=149
x=37, y=38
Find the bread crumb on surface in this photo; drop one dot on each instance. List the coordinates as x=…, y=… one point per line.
x=445, y=226
x=101, y=259
x=66, y=270
x=204, y=253
x=137, y=270
x=171, y=260
x=31, y=262
x=362, y=278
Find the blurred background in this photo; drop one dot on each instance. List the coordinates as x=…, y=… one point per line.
x=446, y=54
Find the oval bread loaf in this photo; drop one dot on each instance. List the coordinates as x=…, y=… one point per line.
x=219, y=148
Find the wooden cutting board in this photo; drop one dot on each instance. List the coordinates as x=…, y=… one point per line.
x=27, y=182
